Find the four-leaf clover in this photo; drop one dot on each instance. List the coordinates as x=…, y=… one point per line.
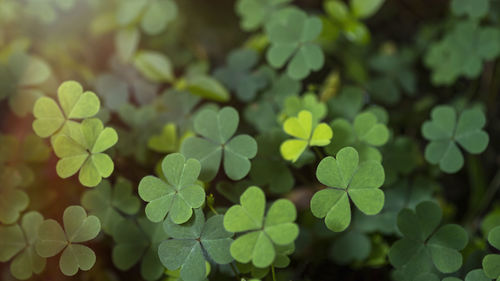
x=445, y=131
x=263, y=234
x=178, y=195
x=346, y=178
x=218, y=143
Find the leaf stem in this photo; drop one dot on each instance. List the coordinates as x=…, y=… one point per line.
x=273, y=272
x=236, y=274
x=318, y=152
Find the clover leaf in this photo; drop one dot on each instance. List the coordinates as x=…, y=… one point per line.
x=238, y=75
x=138, y=240
x=154, y=65
x=166, y=141
x=178, y=195
x=365, y=133
x=471, y=8
x=74, y=104
x=108, y=203
x=85, y=153
x=255, y=13
x=78, y=228
x=309, y=102
x=262, y=233
x=193, y=243
x=491, y=261
x=12, y=202
x=347, y=103
x=292, y=34
x=306, y=134
x=217, y=143
x=18, y=244
x=152, y=15
x=424, y=245
x=346, y=179
x=444, y=132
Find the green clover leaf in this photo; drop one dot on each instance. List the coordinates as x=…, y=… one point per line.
x=424, y=245
x=138, y=241
x=255, y=13
x=18, y=242
x=153, y=16
x=491, y=262
x=167, y=141
x=301, y=127
x=190, y=242
x=108, y=203
x=444, y=133
x=154, y=65
x=238, y=75
x=12, y=202
x=365, y=133
x=178, y=195
x=78, y=228
x=292, y=34
x=309, y=102
x=207, y=87
x=473, y=8
x=85, y=153
x=217, y=143
x=347, y=103
x=346, y=178
x=74, y=104
x=263, y=234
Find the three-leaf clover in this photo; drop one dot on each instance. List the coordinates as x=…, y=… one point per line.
x=83, y=151
x=346, y=178
x=108, y=203
x=193, y=243
x=78, y=228
x=178, y=195
x=291, y=34
x=306, y=133
x=12, y=202
x=218, y=144
x=491, y=262
x=18, y=242
x=75, y=104
x=255, y=13
x=263, y=234
x=444, y=131
x=152, y=15
x=138, y=240
x=424, y=244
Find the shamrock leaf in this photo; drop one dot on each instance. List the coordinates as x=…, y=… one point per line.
x=75, y=104
x=138, y=241
x=84, y=153
x=78, y=228
x=365, y=133
x=218, y=143
x=491, y=262
x=176, y=196
x=154, y=65
x=207, y=87
x=153, y=16
x=193, y=243
x=301, y=127
x=444, y=133
x=255, y=13
x=108, y=203
x=263, y=234
x=347, y=179
x=18, y=242
x=471, y=8
x=292, y=34
x=424, y=245
x=309, y=102
x=347, y=103
x=238, y=75
x=12, y=202
x=165, y=142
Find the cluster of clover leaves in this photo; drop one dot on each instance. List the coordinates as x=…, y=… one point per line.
x=363, y=179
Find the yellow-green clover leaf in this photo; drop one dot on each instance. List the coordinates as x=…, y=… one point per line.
x=178, y=195
x=13, y=200
x=444, y=133
x=301, y=127
x=424, y=245
x=74, y=104
x=152, y=15
x=261, y=234
x=78, y=228
x=191, y=242
x=108, y=203
x=217, y=143
x=84, y=152
x=346, y=178
x=138, y=240
x=18, y=242
x=292, y=33
x=491, y=262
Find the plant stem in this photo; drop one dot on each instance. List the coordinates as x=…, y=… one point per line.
x=273, y=272
x=318, y=152
x=235, y=271
x=212, y=209
x=488, y=196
